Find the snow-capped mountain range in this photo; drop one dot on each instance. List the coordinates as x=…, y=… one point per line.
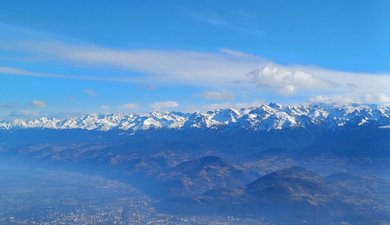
x=264, y=118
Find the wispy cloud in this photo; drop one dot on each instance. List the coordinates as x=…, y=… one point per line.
x=163, y=105
x=33, y=109
x=105, y=107
x=377, y=98
x=129, y=106
x=222, y=68
x=25, y=110
x=8, y=106
x=24, y=114
x=12, y=71
x=239, y=24
x=217, y=95
x=226, y=105
x=38, y=104
x=183, y=66
x=90, y=92
x=207, y=17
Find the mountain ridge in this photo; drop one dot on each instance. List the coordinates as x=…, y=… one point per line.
x=262, y=118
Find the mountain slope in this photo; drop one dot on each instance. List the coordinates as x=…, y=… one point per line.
x=289, y=196
x=199, y=175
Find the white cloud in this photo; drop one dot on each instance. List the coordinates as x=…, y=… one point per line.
x=287, y=81
x=104, y=107
x=217, y=95
x=38, y=103
x=163, y=105
x=129, y=106
x=90, y=92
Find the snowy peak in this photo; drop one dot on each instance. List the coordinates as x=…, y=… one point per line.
x=264, y=118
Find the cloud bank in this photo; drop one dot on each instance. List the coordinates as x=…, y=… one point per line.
x=221, y=68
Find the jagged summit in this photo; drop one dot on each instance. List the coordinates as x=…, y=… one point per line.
x=264, y=117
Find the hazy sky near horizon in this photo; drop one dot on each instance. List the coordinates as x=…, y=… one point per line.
x=71, y=57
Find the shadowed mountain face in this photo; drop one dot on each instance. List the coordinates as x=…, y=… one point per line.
x=199, y=175
x=287, y=182
x=290, y=196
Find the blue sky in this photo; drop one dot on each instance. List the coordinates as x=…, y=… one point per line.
x=76, y=57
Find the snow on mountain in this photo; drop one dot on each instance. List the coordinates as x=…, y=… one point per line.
x=264, y=118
